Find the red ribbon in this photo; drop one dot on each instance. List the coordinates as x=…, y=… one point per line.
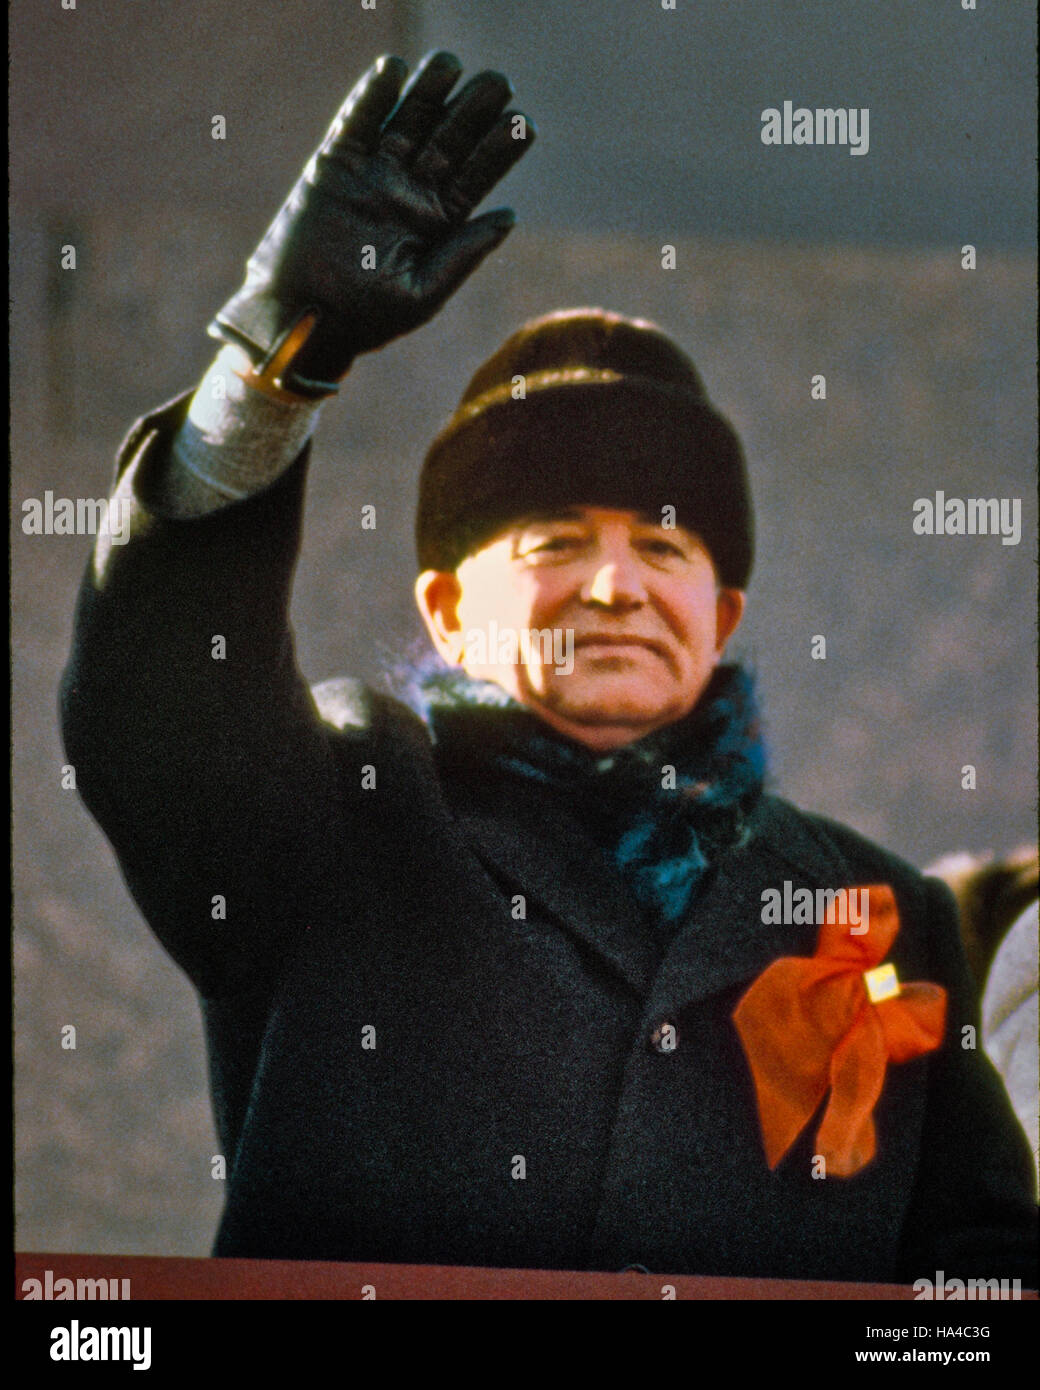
x=808, y=1024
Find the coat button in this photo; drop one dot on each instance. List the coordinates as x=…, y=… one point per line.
x=665, y=1037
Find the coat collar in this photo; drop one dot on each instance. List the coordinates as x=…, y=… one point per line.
x=722, y=941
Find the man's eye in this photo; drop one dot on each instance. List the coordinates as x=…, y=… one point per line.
x=661, y=547
x=552, y=544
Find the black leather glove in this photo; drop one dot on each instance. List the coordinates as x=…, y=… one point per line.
x=374, y=236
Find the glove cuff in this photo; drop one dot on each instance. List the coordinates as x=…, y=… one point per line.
x=274, y=375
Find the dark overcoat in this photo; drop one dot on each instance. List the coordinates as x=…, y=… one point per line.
x=404, y=1068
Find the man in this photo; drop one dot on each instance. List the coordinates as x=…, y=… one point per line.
x=500, y=983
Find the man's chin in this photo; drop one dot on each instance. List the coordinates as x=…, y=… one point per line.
x=606, y=709
x=609, y=708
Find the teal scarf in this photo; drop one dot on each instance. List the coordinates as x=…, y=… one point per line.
x=663, y=809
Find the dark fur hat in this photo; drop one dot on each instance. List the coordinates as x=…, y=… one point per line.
x=585, y=407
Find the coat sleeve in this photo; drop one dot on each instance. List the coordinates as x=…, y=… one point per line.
x=973, y=1211
x=196, y=743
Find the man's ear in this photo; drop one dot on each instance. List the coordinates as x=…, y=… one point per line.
x=437, y=593
x=729, y=609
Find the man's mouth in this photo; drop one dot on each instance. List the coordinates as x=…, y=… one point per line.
x=614, y=641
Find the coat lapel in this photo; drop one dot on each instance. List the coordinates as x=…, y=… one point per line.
x=547, y=856
x=724, y=941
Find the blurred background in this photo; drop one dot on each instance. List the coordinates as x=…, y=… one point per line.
x=790, y=261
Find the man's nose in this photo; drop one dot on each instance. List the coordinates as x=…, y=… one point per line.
x=615, y=583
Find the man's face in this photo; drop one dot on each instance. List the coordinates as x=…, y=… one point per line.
x=638, y=620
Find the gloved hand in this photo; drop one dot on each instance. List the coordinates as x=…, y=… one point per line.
x=373, y=237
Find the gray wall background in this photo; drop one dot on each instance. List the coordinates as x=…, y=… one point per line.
x=790, y=262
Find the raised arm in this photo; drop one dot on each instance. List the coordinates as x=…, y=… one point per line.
x=195, y=741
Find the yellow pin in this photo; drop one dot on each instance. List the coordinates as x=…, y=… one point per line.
x=882, y=983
